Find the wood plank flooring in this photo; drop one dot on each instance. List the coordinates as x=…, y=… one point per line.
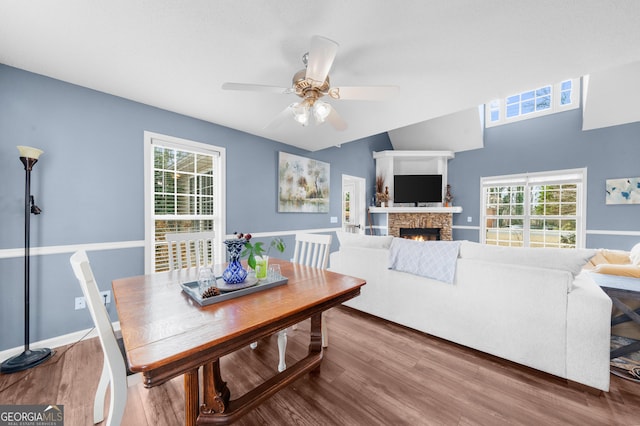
x=374, y=373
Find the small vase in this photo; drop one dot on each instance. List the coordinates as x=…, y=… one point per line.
x=235, y=273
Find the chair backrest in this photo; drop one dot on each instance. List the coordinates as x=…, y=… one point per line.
x=312, y=250
x=190, y=249
x=112, y=355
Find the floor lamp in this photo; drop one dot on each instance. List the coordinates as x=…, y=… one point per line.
x=29, y=357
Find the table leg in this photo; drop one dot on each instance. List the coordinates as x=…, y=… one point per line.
x=218, y=409
x=191, y=390
x=627, y=310
x=315, y=345
x=633, y=316
x=623, y=318
x=216, y=392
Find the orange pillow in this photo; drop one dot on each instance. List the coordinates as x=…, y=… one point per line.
x=628, y=270
x=608, y=256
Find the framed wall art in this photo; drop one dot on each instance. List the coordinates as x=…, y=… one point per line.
x=303, y=184
x=623, y=191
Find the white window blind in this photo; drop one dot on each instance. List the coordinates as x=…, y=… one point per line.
x=186, y=193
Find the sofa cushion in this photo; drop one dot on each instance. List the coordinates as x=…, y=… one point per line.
x=347, y=239
x=571, y=260
x=634, y=255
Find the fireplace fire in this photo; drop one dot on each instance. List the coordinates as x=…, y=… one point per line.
x=420, y=234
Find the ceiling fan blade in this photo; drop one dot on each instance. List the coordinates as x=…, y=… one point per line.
x=321, y=55
x=364, y=93
x=257, y=88
x=284, y=115
x=336, y=121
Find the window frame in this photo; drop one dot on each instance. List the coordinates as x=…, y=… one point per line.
x=527, y=180
x=219, y=217
x=556, y=105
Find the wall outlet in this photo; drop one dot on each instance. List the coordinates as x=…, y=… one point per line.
x=469, y=219
x=334, y=219
x=106, y=297
x=81, y=303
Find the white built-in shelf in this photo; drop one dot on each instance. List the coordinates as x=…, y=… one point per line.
x=391, y=163
x=455, y=209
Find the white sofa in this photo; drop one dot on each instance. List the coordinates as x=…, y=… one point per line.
x=531, y=306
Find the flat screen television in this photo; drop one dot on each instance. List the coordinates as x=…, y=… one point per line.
x=417, y=189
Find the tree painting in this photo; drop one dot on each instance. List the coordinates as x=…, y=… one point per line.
x=303, y=184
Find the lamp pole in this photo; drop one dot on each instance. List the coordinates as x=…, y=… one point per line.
x=29, y=357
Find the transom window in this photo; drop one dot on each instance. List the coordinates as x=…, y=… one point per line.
x=185, y=193
x=535, y=210
x=533, y=103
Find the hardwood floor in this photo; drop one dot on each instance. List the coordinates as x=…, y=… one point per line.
x=374, y=373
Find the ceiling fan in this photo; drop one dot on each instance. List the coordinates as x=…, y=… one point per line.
x=312, y=83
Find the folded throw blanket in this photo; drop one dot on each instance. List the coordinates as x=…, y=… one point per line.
x=431, y=259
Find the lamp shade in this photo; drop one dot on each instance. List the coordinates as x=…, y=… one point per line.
x=29, y=152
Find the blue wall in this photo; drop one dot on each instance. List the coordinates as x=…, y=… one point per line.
x=554, y=142
x=89, y=184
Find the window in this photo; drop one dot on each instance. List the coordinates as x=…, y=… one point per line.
x=184, y=190
x=535, y=210
x=533, y=103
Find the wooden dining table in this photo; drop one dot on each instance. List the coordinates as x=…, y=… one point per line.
x=167, y=333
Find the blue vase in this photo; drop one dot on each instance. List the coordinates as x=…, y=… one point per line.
x=235, y=273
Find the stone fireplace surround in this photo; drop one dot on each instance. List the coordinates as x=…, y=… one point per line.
x=444, y=221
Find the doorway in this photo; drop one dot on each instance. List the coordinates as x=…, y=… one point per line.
x=354, y=204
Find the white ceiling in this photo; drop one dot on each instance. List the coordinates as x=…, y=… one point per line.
x=446, y=55
x=612, y=97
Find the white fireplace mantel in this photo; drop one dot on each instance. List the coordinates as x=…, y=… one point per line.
x=455, y=209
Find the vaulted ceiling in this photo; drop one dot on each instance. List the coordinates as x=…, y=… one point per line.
x=446, y=56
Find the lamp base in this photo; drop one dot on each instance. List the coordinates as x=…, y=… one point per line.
x=25, y=360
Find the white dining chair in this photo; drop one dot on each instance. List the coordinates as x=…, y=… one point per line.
x=313, y=250
x=190, y=249
x=114, y=370
x=310, y=250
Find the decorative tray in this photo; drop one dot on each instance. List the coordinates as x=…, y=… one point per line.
x=231, y=291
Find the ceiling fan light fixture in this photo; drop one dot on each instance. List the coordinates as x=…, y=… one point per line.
x=311, y=84
x=321, y=111
x=300, y=112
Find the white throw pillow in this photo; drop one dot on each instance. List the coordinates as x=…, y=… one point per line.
x=571, y=260
x=368, y=241
x=431, y=259
x=634, y=255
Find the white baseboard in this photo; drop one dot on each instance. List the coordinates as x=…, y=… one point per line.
x=57, y=341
